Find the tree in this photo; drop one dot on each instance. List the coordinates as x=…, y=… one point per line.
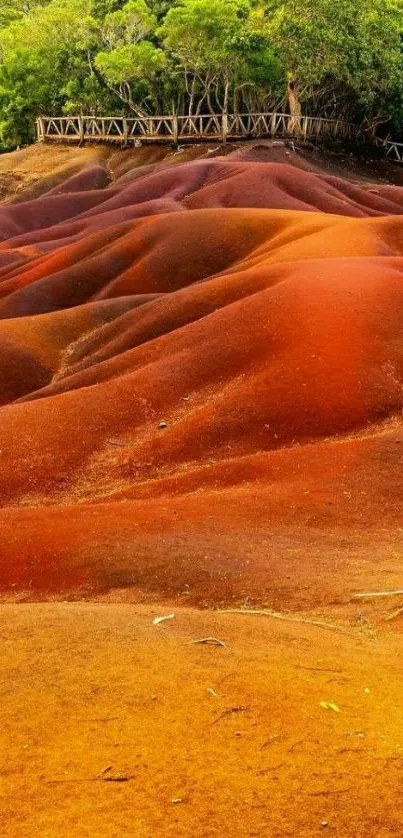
x=339, y=57
x=128, y=69
x=12, y=10
x=213, y=47
x=128, y=62
x=38, y=55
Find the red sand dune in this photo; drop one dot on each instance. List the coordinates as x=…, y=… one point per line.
x=201, y=379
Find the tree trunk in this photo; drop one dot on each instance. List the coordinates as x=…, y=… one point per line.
x=294, y=125
x=225, y=113
x=235, y=101
x=209, y=102
x=192, y=96
x=226, y=97
x=206, y=84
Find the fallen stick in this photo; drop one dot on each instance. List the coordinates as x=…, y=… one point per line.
x=277, y=616
x=298, y=742
x=317, y=668
x=241, y=709
x=394, y=615
x=398, y=592
x=113, y=778
x=100, y=719
x=269, y=741
x=214, y=640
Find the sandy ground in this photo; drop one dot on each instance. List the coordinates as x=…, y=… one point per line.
x=113, y=726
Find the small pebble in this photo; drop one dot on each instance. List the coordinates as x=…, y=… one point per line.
x=163, y=424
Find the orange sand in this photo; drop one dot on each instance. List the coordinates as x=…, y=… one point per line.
x=201, y=378
x=96, y=690
x=201, y=386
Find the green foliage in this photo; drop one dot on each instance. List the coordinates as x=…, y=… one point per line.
x=129, y=62
x=198, y=33
x=344, y=55
x=12, y=10
x=128, y=25
x=214, y=43
x=37, y=60
x=342, y=58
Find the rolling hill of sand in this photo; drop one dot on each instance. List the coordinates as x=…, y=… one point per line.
x=201, y=389
x=201, y=377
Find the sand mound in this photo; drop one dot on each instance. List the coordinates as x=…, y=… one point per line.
x=201, y=374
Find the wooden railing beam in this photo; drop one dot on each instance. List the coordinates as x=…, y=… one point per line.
x=174, y=128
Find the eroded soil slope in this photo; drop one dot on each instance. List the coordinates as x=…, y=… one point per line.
x=201, y=376
x=201, y=403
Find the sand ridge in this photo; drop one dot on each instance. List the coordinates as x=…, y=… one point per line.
x=201, y=359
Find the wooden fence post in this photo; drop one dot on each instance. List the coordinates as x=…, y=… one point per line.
x=40, y=128
x=175, y=129
x=224, y=127
x=81, y=129
x=125, y=132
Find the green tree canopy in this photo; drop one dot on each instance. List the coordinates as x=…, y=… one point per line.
x=341, y=58
x=212, y=44
x=128, y=62
x=329, y=57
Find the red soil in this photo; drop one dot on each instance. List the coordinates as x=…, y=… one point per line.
x=201, y=374
x=201, y=386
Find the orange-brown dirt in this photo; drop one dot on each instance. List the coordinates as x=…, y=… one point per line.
x=201, y=379
x=245, y=738
x=286, y=728
x=201, y=390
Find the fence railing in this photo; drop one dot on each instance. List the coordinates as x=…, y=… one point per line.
x=220, y=127
x=394, y=151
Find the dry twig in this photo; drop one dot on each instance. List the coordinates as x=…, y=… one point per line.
x=111, y=778
x=240, y=709
x=316, y=668
x=269, y=741
x=277, y=616
x=367, y=594
x=394, y=615
x=212, y=640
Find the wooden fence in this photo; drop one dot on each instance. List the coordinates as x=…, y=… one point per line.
x=394, y=151
x=174, y=129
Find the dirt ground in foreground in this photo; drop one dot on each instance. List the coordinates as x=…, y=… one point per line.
x=114, y=726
